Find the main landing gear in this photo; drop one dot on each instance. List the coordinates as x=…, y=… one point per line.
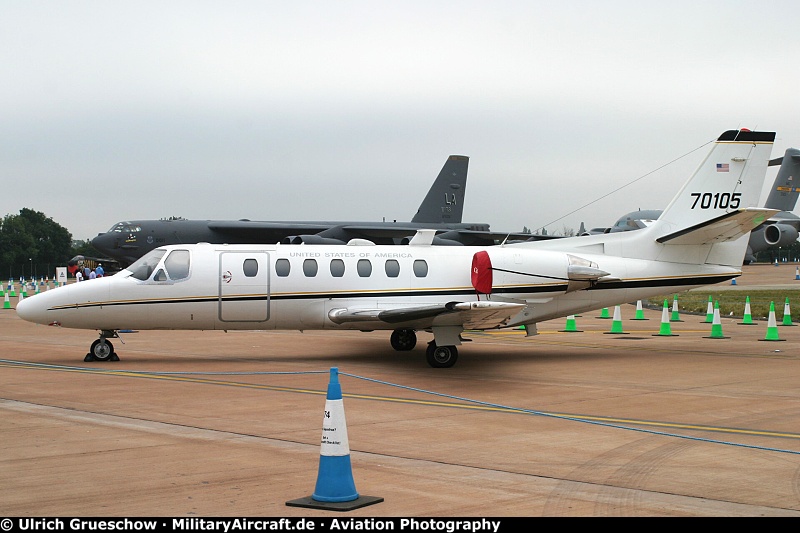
x=102, y=349
x=405, y=339
x=441, y=356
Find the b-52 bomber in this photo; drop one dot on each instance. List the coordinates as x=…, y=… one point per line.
x=441, y=210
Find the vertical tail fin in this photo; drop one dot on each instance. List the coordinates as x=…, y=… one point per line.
x=444, y=202
x=730, y=178
x=786, y=189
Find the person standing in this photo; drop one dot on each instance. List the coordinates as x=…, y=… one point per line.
x=78, y=275
x=99, y=270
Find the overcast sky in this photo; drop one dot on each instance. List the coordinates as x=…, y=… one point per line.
x=347, y=110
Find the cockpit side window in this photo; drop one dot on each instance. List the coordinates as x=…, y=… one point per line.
x=143, y=267
x=177, y=264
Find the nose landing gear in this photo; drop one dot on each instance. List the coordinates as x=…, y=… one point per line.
x=102, y=349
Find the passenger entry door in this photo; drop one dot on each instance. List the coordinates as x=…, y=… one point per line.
x=243, y=286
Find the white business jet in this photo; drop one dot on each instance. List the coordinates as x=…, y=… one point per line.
x=700, y=239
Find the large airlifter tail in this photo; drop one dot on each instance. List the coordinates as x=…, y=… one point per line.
x=785, y=190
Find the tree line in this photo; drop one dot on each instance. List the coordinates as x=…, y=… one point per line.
x=32, y=245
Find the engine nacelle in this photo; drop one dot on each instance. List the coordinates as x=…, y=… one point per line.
x=437, y=241
x=780, y=234
x=310, y=239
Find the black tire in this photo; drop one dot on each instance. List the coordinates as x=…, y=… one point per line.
x=403, y=340
x=441, y=356
x=102, y=350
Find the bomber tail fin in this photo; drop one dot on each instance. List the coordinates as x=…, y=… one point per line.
x=444, y=202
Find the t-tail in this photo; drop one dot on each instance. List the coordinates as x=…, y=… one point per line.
x=444, y=202
x=710, y=218
x=785, y=190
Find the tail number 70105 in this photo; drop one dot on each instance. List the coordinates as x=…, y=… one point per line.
x=717, y=200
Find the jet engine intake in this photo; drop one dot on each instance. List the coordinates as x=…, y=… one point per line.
x=780, y=234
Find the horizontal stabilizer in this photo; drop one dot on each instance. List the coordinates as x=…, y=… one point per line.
x=727, y=227
x=471, y=315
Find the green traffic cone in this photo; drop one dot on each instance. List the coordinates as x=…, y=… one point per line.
x=604, y=313
x=666, y=328
x=787, y=314
x=772, y=327
x=676, y=316
x=7, y=303
x=716, y=326
x=639, y=311
x=616, y=324
x=747, y=319
x=710, y=311
x=571, y=327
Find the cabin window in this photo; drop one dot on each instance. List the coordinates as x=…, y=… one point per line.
x=160, y=275
x=337, y=268
x=142, y=268
x=364, y=268
x=250, y=268
x=392, y=268
x=177, y=264
x=420, y=268
x=282, y=267
x=310, y=268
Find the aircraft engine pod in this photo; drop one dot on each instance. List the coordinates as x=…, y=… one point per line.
x=310, y=239
x=780, y=234
x=437, y=241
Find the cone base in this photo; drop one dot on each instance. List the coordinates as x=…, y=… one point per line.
x=310, y=503
x=717, y=337
x=772, y=340
x=615, y=333
x=665, y=335
x=570, y=331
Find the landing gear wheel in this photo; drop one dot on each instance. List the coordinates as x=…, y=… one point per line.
x=101, y=350
x=403, y=339
x=441, y=356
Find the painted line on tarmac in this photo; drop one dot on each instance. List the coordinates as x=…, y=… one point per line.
x=186, y=377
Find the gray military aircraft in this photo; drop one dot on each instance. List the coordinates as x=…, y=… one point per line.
x=441, y=210
x=781, y=229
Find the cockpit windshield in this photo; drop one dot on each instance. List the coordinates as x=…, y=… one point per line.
x=125, y=227
x=144, y=266
x=176, y=266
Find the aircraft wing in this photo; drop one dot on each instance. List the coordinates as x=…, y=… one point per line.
x=257, y=226
x=721, y=229
x=470, y=315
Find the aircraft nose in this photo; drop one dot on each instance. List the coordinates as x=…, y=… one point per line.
x=32, y=310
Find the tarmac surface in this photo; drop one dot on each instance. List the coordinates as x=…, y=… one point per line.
x=584, y=423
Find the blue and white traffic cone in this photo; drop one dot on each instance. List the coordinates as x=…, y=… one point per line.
x=335, y=486
x=335, y=477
